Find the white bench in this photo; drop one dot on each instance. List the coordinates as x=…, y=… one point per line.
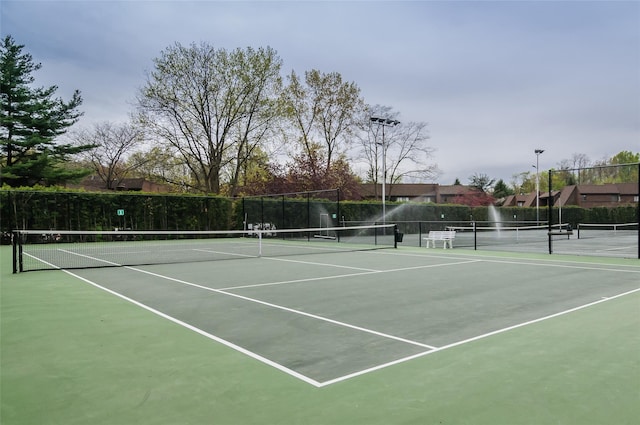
x=447, y=236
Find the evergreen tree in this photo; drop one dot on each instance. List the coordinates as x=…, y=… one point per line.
x=30, y=121
x=501, y=190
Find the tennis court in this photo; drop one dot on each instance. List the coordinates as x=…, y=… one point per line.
x=338, y=321
x=599, y=240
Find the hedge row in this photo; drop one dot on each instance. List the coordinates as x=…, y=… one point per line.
x=100, y=211
x=37, y=209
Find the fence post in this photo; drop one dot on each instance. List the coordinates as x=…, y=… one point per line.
x=550, y=213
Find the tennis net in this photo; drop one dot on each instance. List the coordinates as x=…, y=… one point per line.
x=59, y=249
x=593, y=230
x=474, y=236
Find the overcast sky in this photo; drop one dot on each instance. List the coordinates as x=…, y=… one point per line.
x=494, y=80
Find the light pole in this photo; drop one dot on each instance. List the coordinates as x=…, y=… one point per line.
x=384, y=122
x=538, y=152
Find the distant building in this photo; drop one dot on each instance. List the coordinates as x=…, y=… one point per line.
x=94, y=183
x=586, y=196
x=521, y=200
x=419, y=192
x=606, y=195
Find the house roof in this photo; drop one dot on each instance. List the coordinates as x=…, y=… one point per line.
x=565, y=194
x=545, y=195
x=608, y=189
x=628, y=188
x=401, y=189
x=513, y=200
x=457, y=189
x=417, y=190
x=598, y=189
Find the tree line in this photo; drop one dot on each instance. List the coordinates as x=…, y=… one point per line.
x=228, y=122
x=212, y=121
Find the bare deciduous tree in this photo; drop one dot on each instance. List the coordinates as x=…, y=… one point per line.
x=408, y=154
x=161, y=165
x=323, y=111
x=404, y=148
x=113, y=144
x=212, y=107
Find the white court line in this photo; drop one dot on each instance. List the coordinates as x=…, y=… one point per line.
x=283, y=308
x=137, y=252
x=313, y=263
x=224, y=253
x=285, y=282
x=314, y=279
x=345, y=377
x=279, y=307
x=41, y=260
x=523, y=261
x=369, y=271
x=203, y=333
x=187, y=325
x=566, y=266
x=89, y=257
x=620, y=248
x=476, y=338
x=228, y=343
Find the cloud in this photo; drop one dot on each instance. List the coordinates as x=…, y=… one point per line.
x=494, y=80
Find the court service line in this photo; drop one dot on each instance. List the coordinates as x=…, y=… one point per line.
x=224, y=253
x=309, y=279
x=313, y=263
x=287, y=309
x=476, y=338
x=312, y=279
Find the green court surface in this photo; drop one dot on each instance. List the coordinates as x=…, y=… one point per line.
x=394, y=336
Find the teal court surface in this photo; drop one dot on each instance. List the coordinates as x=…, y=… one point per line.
x=407, y=335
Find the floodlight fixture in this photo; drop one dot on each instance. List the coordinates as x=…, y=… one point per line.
x=537, y=166
x=384, y=122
